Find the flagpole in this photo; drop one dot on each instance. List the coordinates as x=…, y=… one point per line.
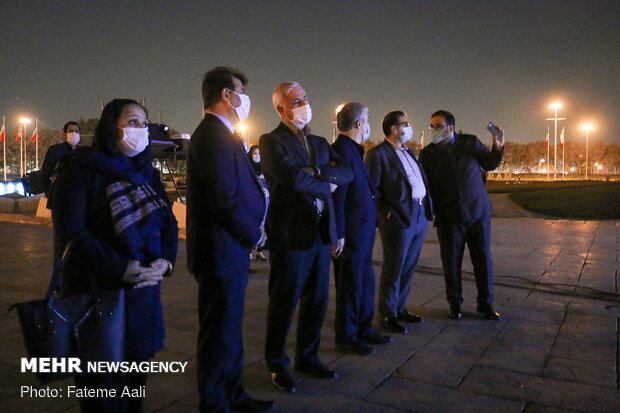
x=4, y=145
x=563, y=164
x=36, y=128
x=24, y=139
x=21, y=152
x=548, y=163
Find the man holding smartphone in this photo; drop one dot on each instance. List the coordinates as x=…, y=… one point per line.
x=452, y=163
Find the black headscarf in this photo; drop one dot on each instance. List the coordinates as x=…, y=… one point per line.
x=256, y=165
x=105, y=156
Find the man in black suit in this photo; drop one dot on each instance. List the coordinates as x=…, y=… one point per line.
x=302, y=171
x=403, y=210
x=225, y=208
x=356, y=216
x=55, y=153
x=452, y=163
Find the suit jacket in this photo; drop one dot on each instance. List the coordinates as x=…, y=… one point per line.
x=388, y=175
x=292, y=215
x=223, y=192
x=453, y=171
x=355, y=202
x=54, y=155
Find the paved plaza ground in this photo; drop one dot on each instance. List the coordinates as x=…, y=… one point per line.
x=555, y=348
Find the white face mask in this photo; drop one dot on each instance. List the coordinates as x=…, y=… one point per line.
x=73, y=138
x=408, y=134
x=301, y=116
x=256, y=158
x=134, y=141
x=243, y=110
x=438, y=136
x=366, y=134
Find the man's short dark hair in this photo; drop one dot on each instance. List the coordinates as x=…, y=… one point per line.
x=446, y=115
x=390, y=120
x=348, y=115
x=64, y=128
x=217, y=79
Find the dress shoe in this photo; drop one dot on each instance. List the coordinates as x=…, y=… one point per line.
x=318, y=370
x=406, y=317
x=390, y=323
x=376, y=338
x=355, y=347
x=283, y=381
x=455, y=313
x=260, y=256
x=488, y=312
x=252, y=405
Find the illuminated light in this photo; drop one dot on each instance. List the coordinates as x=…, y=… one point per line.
x=595, y=163
x=587, y=127
x=572, y=169
x=599, y=167
x=542, y=160
x=544, y=170
x=556, y=105
x=242, y=127
x=9, y=188
x=25, y=121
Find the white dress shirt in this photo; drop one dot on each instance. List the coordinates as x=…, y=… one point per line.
x=418, y=190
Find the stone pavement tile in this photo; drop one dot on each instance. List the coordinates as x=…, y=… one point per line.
x=537, y=408
x=581, y=371
x=603, y=279
x=587, y=338
x=445, y=360
x=359, y=375
x=181, y=341
x=521, y=346
x=539, y=390
x=598, y=307
x=520, y=308
x=165, y=389
x=427, y=398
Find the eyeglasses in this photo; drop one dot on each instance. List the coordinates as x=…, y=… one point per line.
x=437, y=126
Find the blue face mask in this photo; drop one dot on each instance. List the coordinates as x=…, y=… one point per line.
x=440, y=135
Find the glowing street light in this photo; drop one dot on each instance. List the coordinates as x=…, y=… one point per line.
x=23, y=165
x=555, y=106
x=588, y=128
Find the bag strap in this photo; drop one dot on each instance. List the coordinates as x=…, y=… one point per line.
x=58, y=265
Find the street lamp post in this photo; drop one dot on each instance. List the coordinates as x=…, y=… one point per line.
x=555, y=106
x=588, y=128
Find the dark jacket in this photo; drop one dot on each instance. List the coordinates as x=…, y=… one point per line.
x=223, y=193
x=355, y=202
x=54, y=154
x=390, y=179
x=79, y=203
x=292, y=215
x=453, y=171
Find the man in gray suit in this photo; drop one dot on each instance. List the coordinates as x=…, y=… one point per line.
x=403, y=212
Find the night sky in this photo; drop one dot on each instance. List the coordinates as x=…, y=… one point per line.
x=500, y=61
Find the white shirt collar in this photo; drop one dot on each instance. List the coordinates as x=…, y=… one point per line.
x=225, y=121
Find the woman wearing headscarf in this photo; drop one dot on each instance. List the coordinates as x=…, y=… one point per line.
x=111, y=196
x=254, y=155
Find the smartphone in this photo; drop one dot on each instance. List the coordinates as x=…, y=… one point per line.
x=495, y=130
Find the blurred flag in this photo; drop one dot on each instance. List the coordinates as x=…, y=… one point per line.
x=422, y=141
x=19, y=135
x=547, y=140
x=2, y=134
x=35, y=134
x=562, y=136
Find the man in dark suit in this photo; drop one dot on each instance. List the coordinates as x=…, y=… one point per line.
x=452, y=163
x=403, y=210
x=356, y=213
x=225, y=208
x=301, y=171
x=55, y=153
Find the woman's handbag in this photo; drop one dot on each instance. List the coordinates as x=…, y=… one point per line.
x=88, y=326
